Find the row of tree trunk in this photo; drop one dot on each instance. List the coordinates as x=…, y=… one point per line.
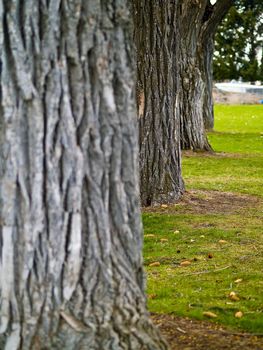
x=71, y=271
x=174, y=88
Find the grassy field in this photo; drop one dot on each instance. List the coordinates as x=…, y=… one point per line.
x=205, y=254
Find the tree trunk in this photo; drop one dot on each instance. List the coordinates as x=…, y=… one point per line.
x=70, y=239
x=206, y=66
x=160, y=158
x=213, y=16
x=198, y=24
x=192, y=86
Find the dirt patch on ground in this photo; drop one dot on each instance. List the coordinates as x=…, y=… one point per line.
x=209, y=202
x=186, y=334
x=205, y=154
x=216, y=202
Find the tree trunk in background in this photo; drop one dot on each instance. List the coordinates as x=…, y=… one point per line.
x=70, y=239
x=213, y=16
x=206, y=66
x=160, y=158
x=197, y=26
x=192, y=86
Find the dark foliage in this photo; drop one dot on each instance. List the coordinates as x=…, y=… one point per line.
x=238, y=41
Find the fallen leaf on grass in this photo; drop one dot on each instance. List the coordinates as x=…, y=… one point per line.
x=209, y=314
x=152, y=296
x=176, y=231
x=149, y=235
x=239, y=314
x=222, y=241
x=185, y=263
x=233, y=296
x=238, y=280
x=156, y=263
x=163, y=240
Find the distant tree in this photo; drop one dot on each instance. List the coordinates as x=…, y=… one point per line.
x=214, y=14
x=237, y=41
x=191, y=84
x=198, y=22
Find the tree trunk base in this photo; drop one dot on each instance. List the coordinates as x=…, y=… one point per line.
x=116, y=335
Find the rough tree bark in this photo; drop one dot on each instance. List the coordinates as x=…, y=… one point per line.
x=70, y=236
x=192, y=86
x=160, y=158
x=197, y=26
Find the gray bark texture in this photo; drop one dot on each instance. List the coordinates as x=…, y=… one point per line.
x=198, y=23
x=192, y=85
x=70, y=232
x=160, y=158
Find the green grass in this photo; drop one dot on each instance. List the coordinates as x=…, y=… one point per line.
x=240, y=175
x=244, y=119
x=238, y=129
x=205, y=284
x=238, y=164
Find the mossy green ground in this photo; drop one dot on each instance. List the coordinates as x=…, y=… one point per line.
x=223, y=241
